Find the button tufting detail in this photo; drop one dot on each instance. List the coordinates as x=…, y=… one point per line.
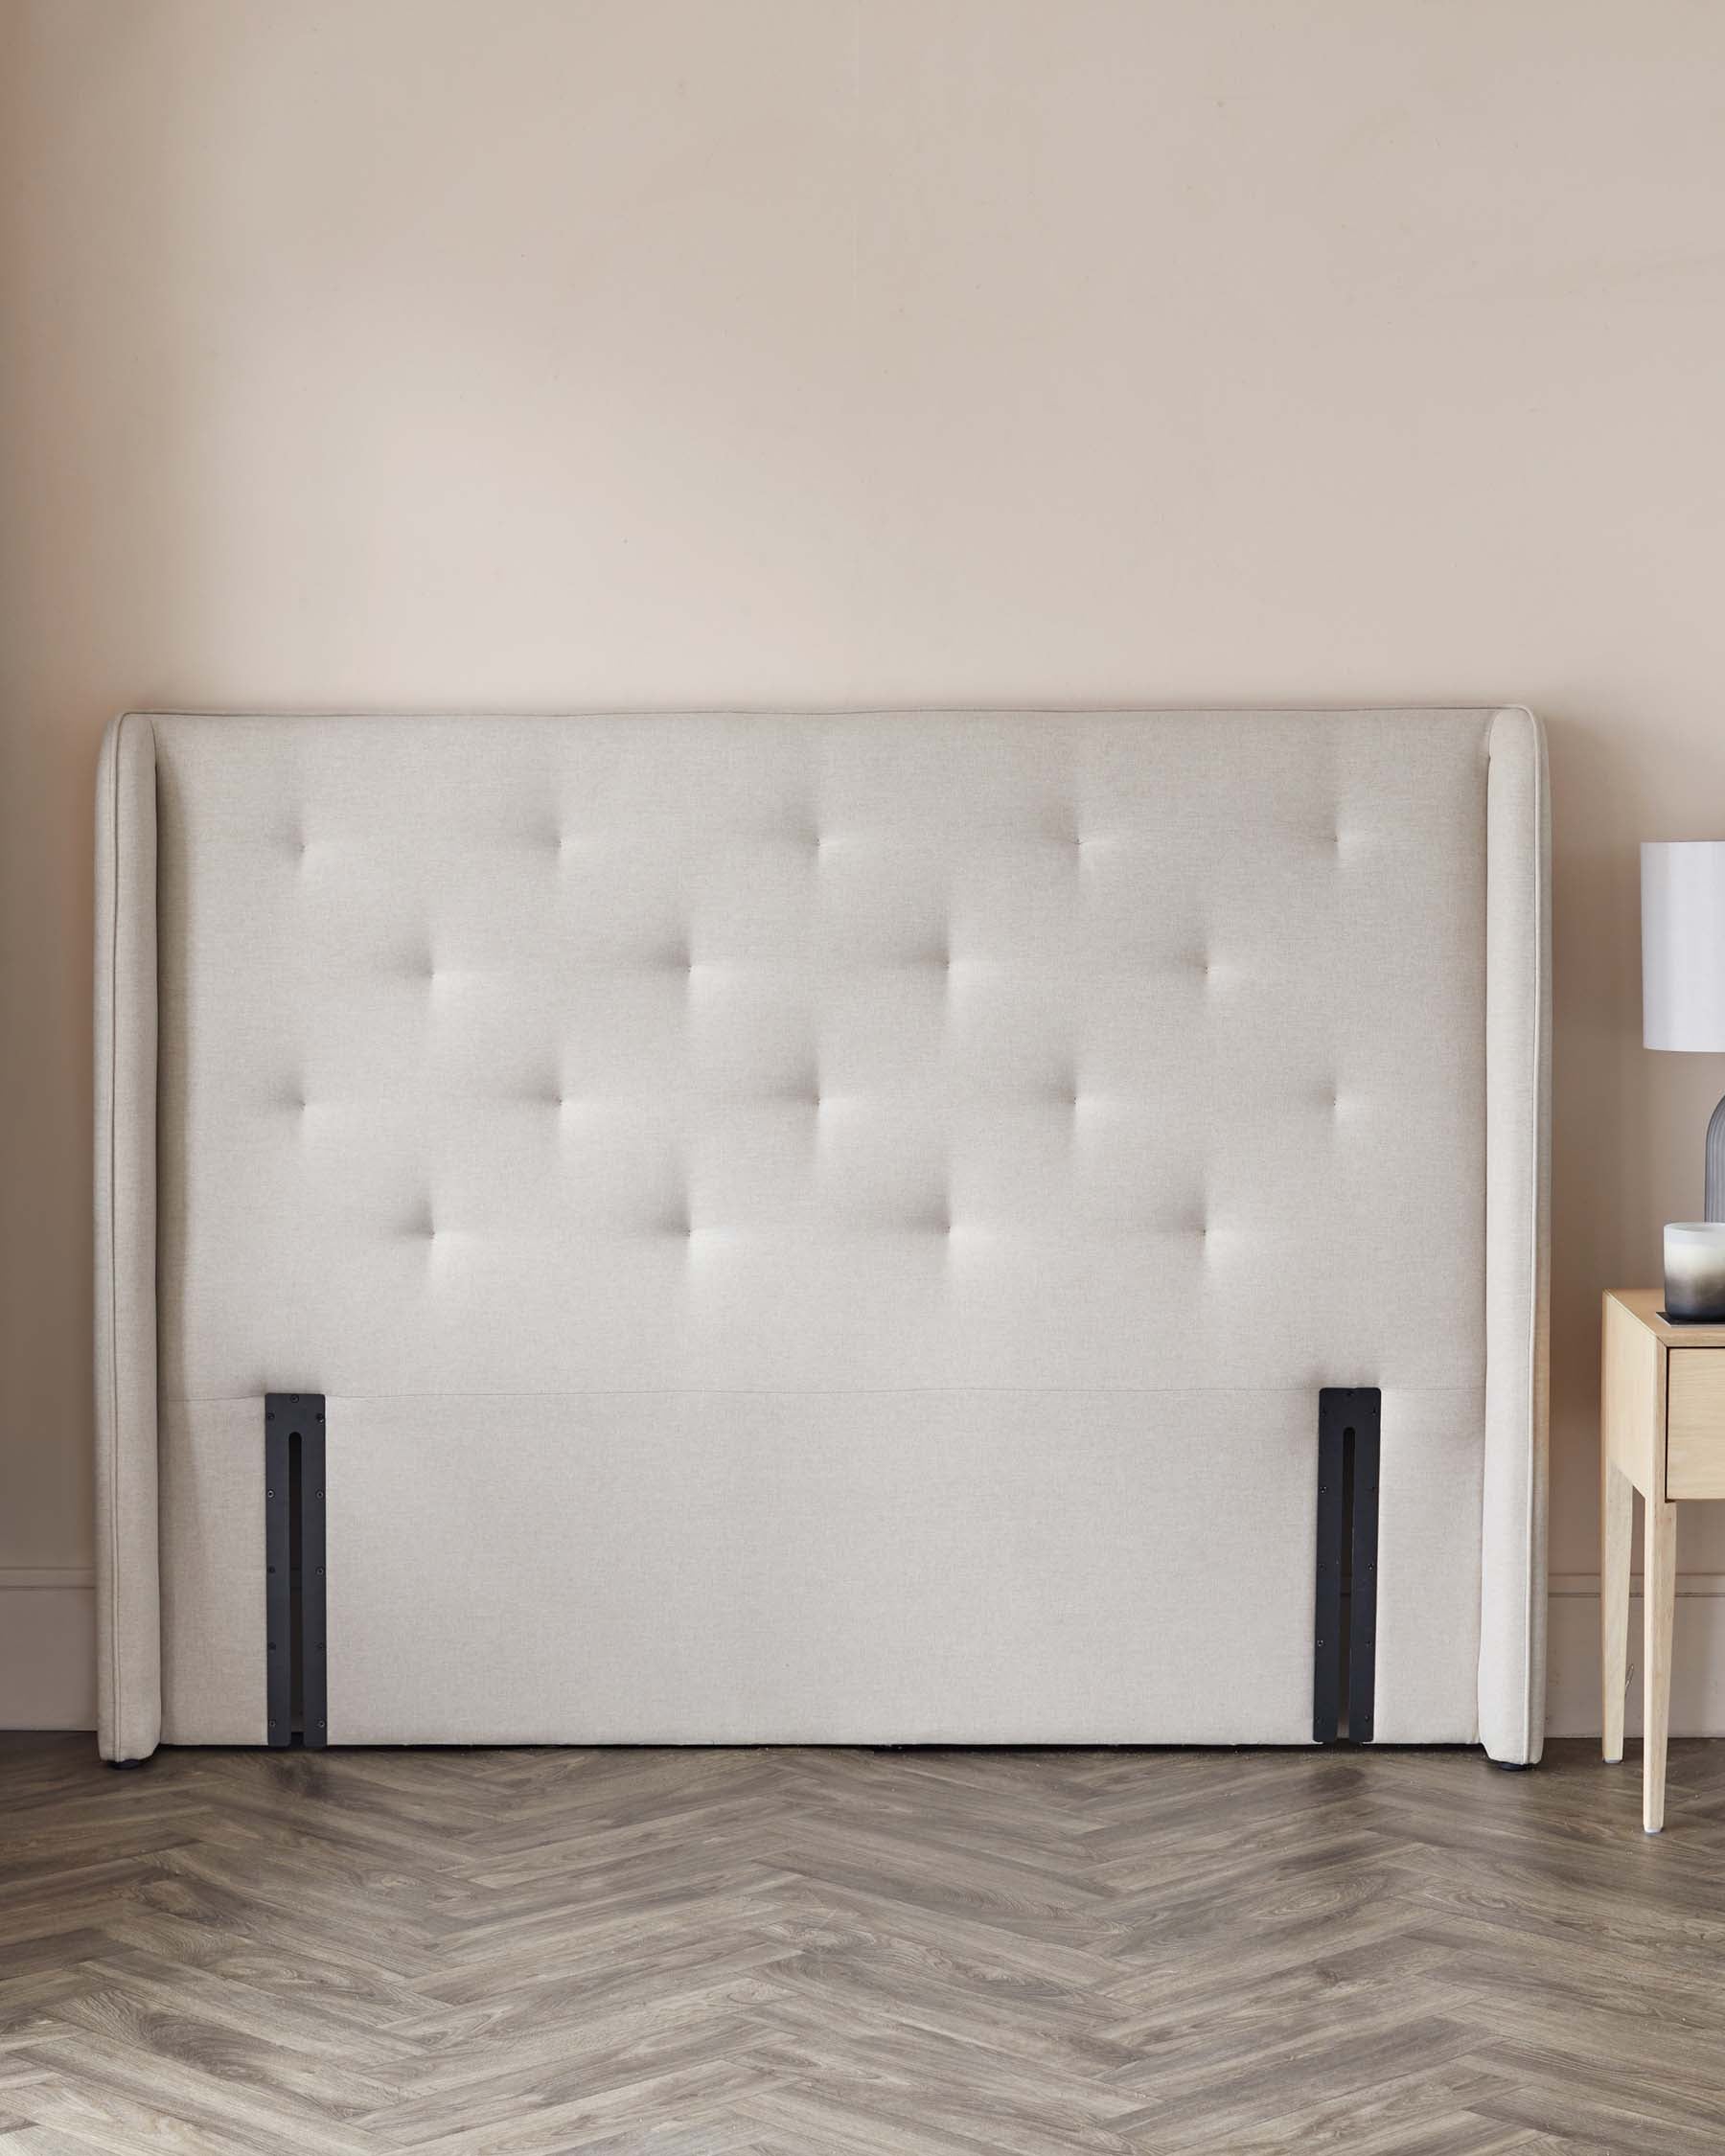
x=832, y=1058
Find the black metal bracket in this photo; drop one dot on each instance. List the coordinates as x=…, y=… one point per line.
x=1350, y=1431
x=297, y=1644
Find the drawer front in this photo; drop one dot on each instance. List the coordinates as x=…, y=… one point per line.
x=1696, y=1423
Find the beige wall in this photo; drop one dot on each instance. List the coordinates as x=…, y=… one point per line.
x=548, y=353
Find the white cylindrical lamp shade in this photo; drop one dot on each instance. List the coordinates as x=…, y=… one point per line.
x=1683, y=945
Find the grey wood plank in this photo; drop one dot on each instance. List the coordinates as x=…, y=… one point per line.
x=841, y=1953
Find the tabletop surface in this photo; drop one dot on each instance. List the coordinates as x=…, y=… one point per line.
x=1647, y=1303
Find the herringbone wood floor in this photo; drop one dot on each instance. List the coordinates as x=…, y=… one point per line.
x=900, y=1953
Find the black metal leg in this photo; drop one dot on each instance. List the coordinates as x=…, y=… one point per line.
x=296, y=1639
x=1362, y=1591
x=1326, y=1627
x=278, y=1580
x=1349, y=1419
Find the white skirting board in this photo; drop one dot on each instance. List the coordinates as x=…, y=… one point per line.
x=47, y=1647
x=1697, y=1656
x=48, y=1627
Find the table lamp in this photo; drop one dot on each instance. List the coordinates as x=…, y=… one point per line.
x=1683, y=1006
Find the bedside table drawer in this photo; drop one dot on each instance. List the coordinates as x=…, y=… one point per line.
x=1696, y=1423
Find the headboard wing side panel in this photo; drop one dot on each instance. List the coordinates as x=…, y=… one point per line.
x=1518, y=1085
x=127, y=1582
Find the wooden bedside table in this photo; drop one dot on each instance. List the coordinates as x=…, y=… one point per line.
x=1661, y=1431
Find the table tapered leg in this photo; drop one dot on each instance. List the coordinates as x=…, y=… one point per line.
x=1658, y=1586
x=1617, y=1529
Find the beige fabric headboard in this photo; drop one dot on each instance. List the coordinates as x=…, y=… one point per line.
x=823, y=1226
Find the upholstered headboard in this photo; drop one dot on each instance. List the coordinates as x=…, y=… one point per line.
x=822, y=1227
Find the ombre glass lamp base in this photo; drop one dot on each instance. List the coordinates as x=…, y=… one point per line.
x=1712, y=1204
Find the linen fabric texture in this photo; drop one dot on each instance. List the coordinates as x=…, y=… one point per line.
x=822, y=1228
